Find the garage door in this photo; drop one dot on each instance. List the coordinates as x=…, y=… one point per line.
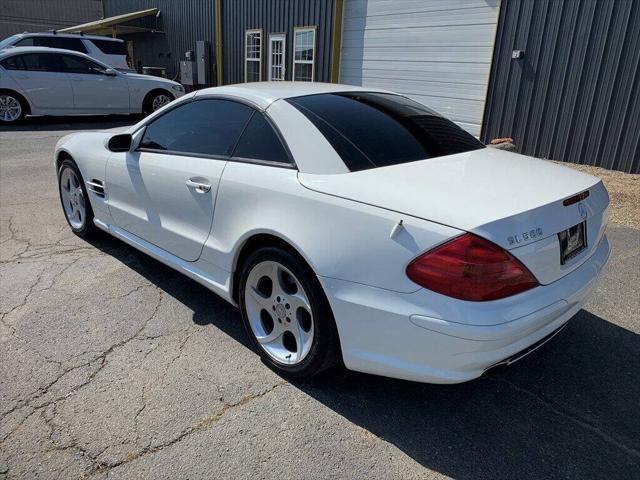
x=438, y=52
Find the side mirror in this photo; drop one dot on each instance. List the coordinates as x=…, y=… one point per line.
x=110, y=72
x=120, y=142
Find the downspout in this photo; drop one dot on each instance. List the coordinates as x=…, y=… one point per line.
x=219, y=77
x=336, y=41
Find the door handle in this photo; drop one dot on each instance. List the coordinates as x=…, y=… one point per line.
x=198, y=186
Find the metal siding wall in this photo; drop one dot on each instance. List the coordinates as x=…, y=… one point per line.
x=17, y=16
x=275, y=16
x=184, y=22
x=575, y=96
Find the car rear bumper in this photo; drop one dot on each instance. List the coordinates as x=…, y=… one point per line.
x=422, y=336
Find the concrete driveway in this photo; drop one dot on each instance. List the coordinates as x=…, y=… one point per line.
x=112, y=365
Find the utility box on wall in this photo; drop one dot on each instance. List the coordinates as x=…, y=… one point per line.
x=188, y=73
x=203, y=61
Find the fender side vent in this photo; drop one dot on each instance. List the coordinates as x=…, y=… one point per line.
x=96, y=186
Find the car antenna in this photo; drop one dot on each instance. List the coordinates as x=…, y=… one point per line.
x=397, y=228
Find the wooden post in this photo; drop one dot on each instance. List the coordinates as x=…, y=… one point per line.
x=336, y=41
x=218, y=26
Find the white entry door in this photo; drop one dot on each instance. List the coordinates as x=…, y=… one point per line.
x=276, y=56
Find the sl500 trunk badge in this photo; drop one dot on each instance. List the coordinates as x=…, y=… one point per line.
x=525, y=236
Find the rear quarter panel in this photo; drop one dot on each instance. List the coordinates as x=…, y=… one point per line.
x=339, y=238
x=8, y=82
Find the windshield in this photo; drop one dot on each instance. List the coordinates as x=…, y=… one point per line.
x=370, y=130
x=7, y=42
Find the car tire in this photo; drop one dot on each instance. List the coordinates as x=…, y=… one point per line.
x=288, y=312
x=74, y=199
x=13, y=108
x=156, y=100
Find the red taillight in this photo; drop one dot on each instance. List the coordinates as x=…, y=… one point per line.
x=471, y=268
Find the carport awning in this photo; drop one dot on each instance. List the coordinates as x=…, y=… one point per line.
x=113, y=25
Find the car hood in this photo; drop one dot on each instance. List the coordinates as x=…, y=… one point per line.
x=138, y=77
x=490, y=192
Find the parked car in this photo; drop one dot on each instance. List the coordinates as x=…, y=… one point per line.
x=47, y=81
x=111, y=51
x=347, y=224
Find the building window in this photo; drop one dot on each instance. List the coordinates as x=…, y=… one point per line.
x=304, y=53
x=253, y=56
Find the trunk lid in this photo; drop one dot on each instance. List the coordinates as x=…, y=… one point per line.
x=513, y=200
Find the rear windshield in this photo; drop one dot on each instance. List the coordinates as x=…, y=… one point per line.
x=8, y=42
x=370, y=130
x=110, y=47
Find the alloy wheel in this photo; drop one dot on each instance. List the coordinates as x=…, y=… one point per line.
x=279, y=313
x=73, y=199
x=10, y=108
x=159, y=101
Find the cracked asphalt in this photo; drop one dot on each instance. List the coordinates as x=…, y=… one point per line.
x=114, y=366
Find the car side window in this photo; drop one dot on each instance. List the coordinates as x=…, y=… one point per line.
x=36, y=62
x=259, y=141
x=75, y=64
x=13, y=63
x=65, y=43
x=33, y=62
x=25, y=42
x=53, y=42
x=201, y=127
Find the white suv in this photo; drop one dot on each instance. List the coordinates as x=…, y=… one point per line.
x=111, y=51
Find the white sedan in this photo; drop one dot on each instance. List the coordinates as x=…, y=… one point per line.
x=348, y=225
x=50, y=81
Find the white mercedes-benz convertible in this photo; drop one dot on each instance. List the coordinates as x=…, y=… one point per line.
x=348, y=224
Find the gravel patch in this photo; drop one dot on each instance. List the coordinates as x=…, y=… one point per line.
x=624, y=190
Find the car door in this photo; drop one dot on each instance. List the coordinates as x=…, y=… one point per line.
x=39, y=76
x=95, y=91
x=165, y=191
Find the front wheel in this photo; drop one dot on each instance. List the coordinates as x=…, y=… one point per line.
x=286, y=314
x=74, y=199
x=156, y=100
x=12, y=108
